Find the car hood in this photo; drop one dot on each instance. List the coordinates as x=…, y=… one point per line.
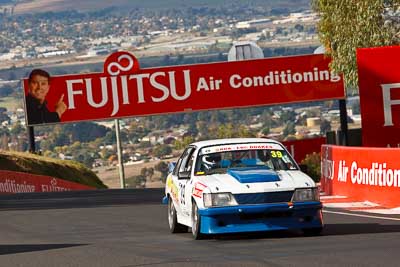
x=253, y=175
x=251, y=180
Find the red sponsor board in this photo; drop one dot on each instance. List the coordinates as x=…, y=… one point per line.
x=125, y=90
x=299, y=149
x=371, y=174
x=379, y=84
x=20, y=182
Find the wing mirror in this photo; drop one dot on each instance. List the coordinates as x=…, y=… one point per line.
x=184, y=175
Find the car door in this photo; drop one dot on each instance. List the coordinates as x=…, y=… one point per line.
x=181, y=177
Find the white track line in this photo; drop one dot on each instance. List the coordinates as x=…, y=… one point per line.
x=361, y=215
x=395, y=211
x=332, y=197
x=342, y=205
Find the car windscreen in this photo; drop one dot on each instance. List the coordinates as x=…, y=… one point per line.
x=220, y=158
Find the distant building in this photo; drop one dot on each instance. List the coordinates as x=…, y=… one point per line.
x=102, y=50
x=258, y=23
x=299, y=17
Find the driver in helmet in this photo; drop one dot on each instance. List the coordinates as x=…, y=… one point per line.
x=265, y=157
x=211, y=161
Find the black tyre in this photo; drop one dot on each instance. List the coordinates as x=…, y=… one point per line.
x=174, y=226
x=313, y=231
x=196, y=223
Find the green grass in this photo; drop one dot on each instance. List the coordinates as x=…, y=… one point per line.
x=64, y=169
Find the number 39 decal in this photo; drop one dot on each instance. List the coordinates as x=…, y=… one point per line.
x=276, y=154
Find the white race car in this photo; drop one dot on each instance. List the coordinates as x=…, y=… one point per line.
x=240, y=185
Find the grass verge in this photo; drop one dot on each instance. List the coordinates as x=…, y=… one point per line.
x=64, y=169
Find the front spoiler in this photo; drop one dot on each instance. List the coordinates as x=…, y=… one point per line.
x=261, y=217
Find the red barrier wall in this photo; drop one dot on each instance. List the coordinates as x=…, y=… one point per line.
x=300, y=148
x=20, y=182
x=371, y=174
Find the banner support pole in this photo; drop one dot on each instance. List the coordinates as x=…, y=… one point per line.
x=31, y=137
x=119, y=153
x=343, y=122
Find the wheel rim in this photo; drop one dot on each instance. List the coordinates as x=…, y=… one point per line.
x=170, y=214
x=195, y=218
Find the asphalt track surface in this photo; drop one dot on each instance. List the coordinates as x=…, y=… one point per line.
x=129, y=228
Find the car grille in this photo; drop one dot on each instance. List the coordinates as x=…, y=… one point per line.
x=260, y=198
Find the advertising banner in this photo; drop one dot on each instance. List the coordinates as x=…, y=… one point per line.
x=379, y=85
x=20, y=182
x=371, y=174
x=125, y=90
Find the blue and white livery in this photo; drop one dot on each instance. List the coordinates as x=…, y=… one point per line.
x=240, y=185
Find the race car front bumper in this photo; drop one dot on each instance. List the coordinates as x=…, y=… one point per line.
x=261, y=217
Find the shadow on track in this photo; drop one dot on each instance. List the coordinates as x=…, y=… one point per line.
x=329, y=230
x=256, y=235
x=80, y=199
x=12, y=249
x=359, y=228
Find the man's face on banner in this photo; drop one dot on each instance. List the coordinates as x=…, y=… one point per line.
x=39, y=87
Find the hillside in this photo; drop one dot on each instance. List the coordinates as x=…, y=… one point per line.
x=63, y=169
x=35, y=6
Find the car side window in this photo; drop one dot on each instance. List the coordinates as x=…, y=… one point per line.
x=187, y=161
x=184, y=161
x=189, y=164
x=178, y=163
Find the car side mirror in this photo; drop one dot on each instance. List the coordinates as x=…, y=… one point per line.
x=303, y=168
x=184, y=175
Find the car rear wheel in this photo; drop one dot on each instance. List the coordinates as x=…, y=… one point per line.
x=196, y=223
x=174, y=226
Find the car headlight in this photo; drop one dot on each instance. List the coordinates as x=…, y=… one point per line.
x=219, y=199
x=306, y=194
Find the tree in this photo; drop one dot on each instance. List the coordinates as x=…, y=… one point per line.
x=162, y=167
x=162, y=150
x=266, y=131
x=150, y=172
x=347, y=25
x=325, y=126
x=4, y=139
x=184, y=143
x=288, y=115
x=147, y=172
x=244, y=132
x=192, y=130
x=137, y=181
x=290, y=128
x=225, y=131
x=17, y=129
x=313, y=163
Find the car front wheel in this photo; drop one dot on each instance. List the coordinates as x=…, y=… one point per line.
x=196, y=223
x=174, y=226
